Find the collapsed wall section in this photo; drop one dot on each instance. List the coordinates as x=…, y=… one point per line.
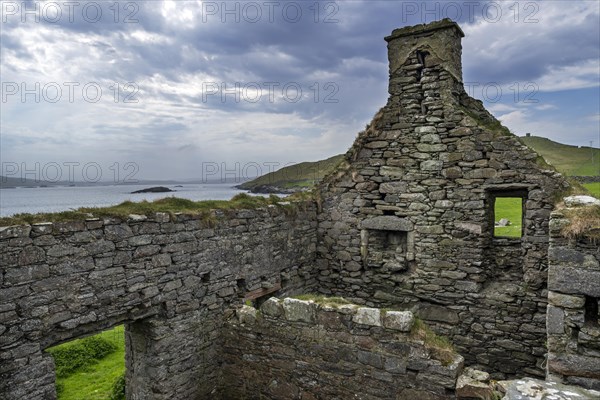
x=408, y=219
x=574, y=295
x=296, y=349
x=167, y=277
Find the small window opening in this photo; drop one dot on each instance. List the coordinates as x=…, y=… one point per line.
x=591, y=311
x=421, y=55
x=508, y=217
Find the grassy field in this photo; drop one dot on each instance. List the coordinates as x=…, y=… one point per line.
x=594, y=188
x=511, y=209
x=569, y=160
x=95, y=381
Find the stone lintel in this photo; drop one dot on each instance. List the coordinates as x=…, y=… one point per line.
x=387, y=223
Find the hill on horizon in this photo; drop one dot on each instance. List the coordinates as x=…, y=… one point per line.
x=567, y=159
x=293, y=178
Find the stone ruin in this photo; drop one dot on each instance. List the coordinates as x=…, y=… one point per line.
x=408, y=221
x=405, y=226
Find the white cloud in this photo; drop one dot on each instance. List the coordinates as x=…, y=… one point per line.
x=586, y=75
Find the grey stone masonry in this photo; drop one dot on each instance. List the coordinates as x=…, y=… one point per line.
x=168, y=278
x=408, y=218
x=573, y=296
x=294, y=349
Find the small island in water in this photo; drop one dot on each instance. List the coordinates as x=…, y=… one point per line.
x=155, y=189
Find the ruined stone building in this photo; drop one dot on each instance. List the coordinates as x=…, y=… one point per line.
x=426, y=174
x=406, y=223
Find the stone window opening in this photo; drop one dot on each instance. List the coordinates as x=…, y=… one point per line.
x=506, y=213
x=421, y=55
x=591, y=311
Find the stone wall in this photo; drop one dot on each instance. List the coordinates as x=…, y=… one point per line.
x=573, y=296
x=294, y=349
x=408, y=219
x=167, y=278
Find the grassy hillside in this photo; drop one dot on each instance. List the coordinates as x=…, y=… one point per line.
x=570, y=160
x=293, y=178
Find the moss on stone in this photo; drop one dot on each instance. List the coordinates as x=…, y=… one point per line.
x=440, y=346
x=322, y=300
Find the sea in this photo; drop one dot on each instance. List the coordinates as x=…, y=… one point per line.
x=63, y=198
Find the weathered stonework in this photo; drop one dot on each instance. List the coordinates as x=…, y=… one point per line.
x=572, y=315
x=168, y=279
x=329, y=352
x=421, y=180
x=406, y=222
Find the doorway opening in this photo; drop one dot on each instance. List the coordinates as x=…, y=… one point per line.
x=92, y=367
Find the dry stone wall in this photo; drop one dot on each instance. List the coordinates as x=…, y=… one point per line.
x=167, y=278
x=294, y=349
x=408, y=218
x=572, y=317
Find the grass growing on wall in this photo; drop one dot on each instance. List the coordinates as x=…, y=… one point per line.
x=440, y=346
x=169, y=205
x=85, y=370
x=511, y=209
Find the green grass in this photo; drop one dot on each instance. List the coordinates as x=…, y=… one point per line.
x=569, y=160
x=511, y=209
x=169, y=204
x=300, y=176
x=440, y=346
x=593, y=188
x=95, y=381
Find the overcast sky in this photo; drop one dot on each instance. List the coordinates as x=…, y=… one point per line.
x=178, y=87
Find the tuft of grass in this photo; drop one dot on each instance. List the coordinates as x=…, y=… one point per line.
x=440, y=346
x=323, y=300
x=169, y=204
x=118, y=388
x=583, y=222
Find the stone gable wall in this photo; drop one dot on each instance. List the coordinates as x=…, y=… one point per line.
x=572, y=316
x=423, y=176
x=168, y=279
x=294, y=349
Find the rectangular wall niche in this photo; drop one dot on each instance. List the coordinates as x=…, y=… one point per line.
x=387, y=242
